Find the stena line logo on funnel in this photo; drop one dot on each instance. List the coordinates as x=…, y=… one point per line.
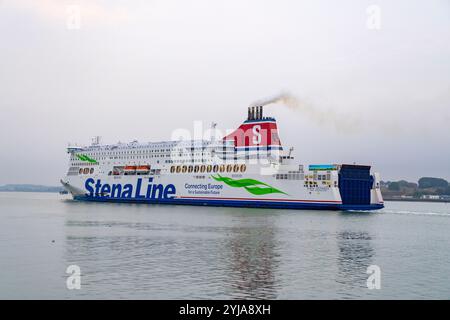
x=146, y=190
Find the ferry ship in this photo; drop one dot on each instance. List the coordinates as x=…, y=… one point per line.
x=247, y=168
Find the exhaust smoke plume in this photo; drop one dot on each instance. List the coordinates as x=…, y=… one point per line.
x=344, y=123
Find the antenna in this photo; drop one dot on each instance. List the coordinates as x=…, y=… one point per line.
x=213, y=131
x=96, y=140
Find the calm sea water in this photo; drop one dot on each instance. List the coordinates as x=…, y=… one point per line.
x=179, y=252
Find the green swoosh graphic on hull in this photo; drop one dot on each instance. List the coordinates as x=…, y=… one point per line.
x=83, y=157
x=253, y=186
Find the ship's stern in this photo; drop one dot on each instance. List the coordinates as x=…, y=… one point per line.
x=359, y=189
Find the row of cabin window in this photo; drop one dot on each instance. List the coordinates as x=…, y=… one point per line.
x=86, y=171
x=143, y=152
x=83, y=164
x=290, y=176
x=125, y=152
x=182, y=151
x=144, y=157
x=309, y=184
x=131, y=157
x=165, y=161
x=324, y=176
x=209, y=168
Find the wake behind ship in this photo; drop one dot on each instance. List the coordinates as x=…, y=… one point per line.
x=247, y=168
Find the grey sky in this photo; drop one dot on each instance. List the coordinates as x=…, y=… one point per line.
x=140, y=69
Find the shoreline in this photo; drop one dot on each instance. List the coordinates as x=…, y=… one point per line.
x=418, y=200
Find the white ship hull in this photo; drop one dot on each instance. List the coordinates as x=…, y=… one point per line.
x=189, y=190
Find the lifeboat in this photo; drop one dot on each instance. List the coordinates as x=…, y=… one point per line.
x=129, y=169
x=143, y=169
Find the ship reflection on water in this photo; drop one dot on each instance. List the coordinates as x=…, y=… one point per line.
x=172, y=259
x=249, y=254
x=253, y=262
x=355, y=254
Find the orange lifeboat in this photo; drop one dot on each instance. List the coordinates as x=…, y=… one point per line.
x=129, y=169
x=143, y=169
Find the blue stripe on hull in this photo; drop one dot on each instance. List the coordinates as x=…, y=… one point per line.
x=363, y=207
x=235, y=203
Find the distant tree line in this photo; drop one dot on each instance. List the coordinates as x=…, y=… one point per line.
x=427, y=182
x=29, y=188
x=425, y=185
